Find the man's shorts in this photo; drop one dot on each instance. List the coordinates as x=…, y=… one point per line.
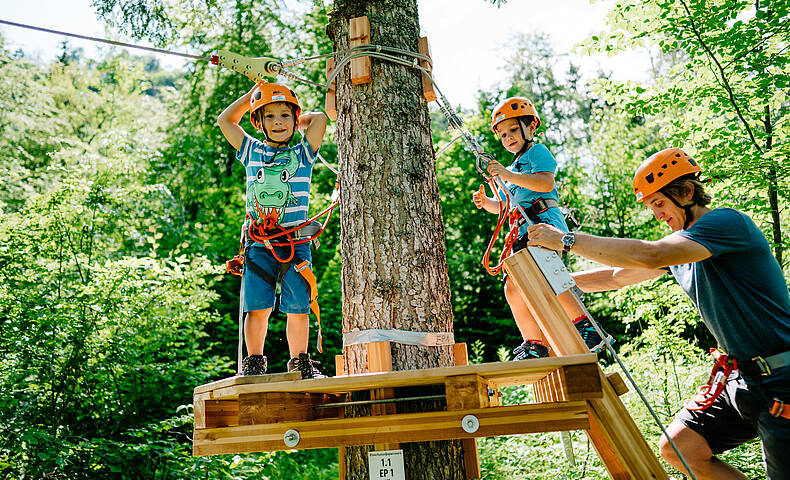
x=740, y=414
x=260, y=294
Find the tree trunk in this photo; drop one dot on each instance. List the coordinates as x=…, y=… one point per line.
x=394, y=270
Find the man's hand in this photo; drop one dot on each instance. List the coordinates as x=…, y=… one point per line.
x=545, y=235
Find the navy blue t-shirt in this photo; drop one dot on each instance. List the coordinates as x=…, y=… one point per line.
x=739, y=291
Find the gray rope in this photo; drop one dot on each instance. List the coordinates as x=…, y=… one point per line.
x=104, y=40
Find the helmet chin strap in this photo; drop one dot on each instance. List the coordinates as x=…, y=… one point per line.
x=527, y=142
x=686, y=209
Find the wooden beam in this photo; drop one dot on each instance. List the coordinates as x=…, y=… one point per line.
x=400, y=428
x=614, y=433
x=330, y=104
x=427, y=86
x=359, y=34
x=247, y=380
x=618, y=384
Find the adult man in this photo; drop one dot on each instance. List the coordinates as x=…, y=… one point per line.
x=724, y=263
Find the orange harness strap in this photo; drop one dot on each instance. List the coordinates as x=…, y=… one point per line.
x=707, y=394
x=309, y=278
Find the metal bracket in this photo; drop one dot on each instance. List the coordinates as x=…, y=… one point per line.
x=256, y=69
x=550, y=263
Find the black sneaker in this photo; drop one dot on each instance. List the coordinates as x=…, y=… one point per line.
x=590, y=335
x=306, y=366
x=529, y=350
x=253, y=365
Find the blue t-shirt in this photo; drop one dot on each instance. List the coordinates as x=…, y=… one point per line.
x=739, y=291
x=536, y=159
x=278, y=180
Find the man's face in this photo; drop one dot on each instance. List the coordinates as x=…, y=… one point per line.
x=665, y=210
x=510, y=133
x=278, y=121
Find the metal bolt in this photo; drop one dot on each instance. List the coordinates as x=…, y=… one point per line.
x=291, y=438
x=470, y=424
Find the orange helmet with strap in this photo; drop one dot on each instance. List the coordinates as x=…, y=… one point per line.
x=266, y=93
x=660, y=169
x=513, y=107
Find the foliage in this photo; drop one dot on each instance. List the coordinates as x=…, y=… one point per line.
x=719, y=92
x=121, y=200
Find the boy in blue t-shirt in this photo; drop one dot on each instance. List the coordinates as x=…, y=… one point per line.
x=278, y=193
x=530, y=183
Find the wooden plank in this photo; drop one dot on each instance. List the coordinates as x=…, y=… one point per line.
x=618, y=441
x=359, y=34
x=400, y=428
x=330, y=104
x=498, y=373
x=340, y=365
x=427, y=86
x=247, y=380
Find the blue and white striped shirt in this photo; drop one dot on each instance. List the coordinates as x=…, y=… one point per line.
x=278, y=180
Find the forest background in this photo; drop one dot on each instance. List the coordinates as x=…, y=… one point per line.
x=121, y=201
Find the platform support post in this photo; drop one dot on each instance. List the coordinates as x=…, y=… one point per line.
x=380, y=360
x=471, y=454
x=613, y=432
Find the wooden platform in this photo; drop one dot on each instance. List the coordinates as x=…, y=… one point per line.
x=253, y=414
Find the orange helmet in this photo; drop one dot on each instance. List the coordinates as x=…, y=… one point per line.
x=513, y=107
x=266, y=93
x=661, y=169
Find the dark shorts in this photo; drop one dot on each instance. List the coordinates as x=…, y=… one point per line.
x=740, y=414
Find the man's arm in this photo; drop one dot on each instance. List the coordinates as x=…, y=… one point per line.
x=623, y=252
x=314, y=124
x=229, y=119
x=606, y=278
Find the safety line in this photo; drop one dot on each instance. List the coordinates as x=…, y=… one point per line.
x=104, y=40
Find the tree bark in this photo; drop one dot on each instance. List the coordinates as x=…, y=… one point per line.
x=394, y=270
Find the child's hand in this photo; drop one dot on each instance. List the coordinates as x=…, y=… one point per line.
x=479, y=197
x=304, y=122
x=497, y=169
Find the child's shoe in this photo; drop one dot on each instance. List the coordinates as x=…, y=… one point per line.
x=589, y=334
x=253, y=365
x=306, y=366
x=530, y=349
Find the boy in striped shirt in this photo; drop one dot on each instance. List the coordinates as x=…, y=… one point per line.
x=278, y=193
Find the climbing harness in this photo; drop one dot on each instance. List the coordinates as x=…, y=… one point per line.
x=706, y=394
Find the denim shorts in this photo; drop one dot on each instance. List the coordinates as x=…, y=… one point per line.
x=260, y=294
x=740, y=414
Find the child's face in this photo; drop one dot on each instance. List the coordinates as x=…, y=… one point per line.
x=510, y=133
x=278, y=121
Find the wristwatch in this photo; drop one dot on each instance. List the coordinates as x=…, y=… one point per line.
x=568, y=240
